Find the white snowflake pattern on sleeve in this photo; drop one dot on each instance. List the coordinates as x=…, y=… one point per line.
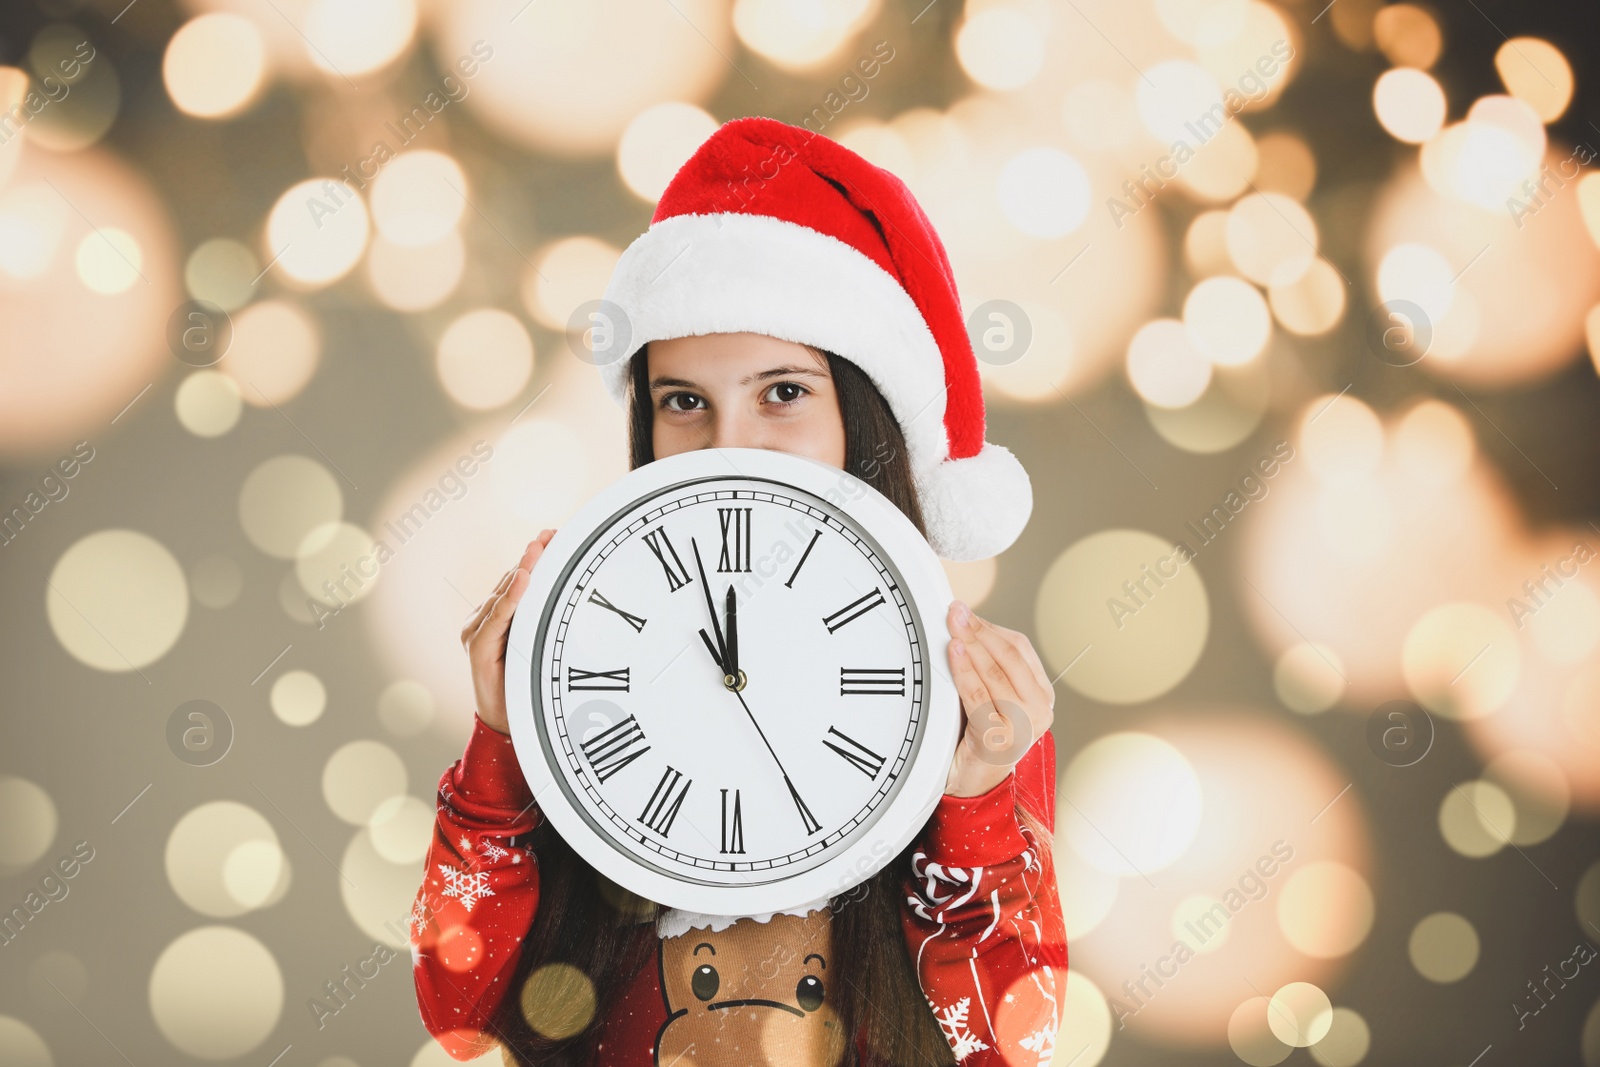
x=466, y=886
x=953, y=1021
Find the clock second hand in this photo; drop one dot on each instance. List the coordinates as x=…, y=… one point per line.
x=812, y=826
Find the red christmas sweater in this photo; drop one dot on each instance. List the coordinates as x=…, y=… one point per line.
x=979, y=910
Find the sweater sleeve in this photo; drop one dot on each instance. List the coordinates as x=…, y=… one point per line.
x=479, y=893
x=983, y=923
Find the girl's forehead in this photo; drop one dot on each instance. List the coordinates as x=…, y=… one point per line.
x=731, y=358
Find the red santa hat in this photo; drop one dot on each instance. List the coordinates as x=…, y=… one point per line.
x=773, y=229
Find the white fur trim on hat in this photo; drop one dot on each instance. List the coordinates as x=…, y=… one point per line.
x=672, y=922
x=690, y=275
x=975, y=507
x=735, y=273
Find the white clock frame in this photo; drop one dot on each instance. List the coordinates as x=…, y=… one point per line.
x=927, y=590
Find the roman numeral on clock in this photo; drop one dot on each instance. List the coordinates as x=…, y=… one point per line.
x=661, y=809
x=812, y=825
x=732, y=825
x=815, y=536
x=858, y=755
x=606, y=680
x=632, y=620
x=735, y=549
x=661, y=545
x=853, y=610
x=615, y=747
x=884, y=681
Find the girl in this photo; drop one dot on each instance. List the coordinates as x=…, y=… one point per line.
x=788, y=295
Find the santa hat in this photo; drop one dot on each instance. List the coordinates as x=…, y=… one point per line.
x=773, y=229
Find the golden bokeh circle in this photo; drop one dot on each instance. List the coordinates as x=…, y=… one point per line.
x=359, y=777
x=216, y=581
x=1251, y=1036
x=223, y=859
x=27, y=823
x=117, y=600
x=298, y=698
x=402, y=828
x=1300, y=1014
x=1443, y=947
x=1326, y=909
x=1477, y=819
x=558, y=1001
x=214, y=65
x=208, y=403
x=216, y=992
x=21, y=1045
x=378, y=894
x=1116, y=646
x=275, y=350
x=1347, y=1041
x=1309, y=678
x=1135, y=804
x=284, y=499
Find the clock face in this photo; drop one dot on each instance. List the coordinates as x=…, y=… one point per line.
x=730, y=682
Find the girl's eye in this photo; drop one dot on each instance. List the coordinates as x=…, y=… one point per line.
x=785, y=393
x=683, y=402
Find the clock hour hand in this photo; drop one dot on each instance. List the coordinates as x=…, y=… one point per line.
x=732, y=676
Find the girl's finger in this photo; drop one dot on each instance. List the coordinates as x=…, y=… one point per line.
x=964, y=673
x=487, y=610
x=481, y=612
x=1019, y=672
x=1029, y=653
x=993, y=673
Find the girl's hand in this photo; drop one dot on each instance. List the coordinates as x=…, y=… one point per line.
x=1007, y=701
x=484, y=636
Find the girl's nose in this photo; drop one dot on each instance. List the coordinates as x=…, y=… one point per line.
x=734, y=432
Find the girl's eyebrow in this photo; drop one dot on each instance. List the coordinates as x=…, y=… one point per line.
x=782, y=372
x=774, y=372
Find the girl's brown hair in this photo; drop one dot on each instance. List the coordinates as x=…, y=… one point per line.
x=586, y=921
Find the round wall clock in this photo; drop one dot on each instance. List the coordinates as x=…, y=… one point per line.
x=727, y=681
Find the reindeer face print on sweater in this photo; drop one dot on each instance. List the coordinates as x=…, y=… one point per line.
x=755, y=993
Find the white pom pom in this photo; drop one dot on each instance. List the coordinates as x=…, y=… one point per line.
x=976, y=507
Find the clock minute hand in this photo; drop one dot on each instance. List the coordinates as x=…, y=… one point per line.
x=711, y=648
x=720, y=653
